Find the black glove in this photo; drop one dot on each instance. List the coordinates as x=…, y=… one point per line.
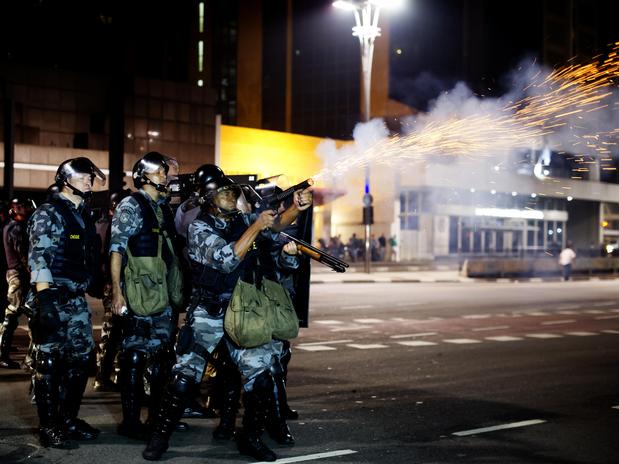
x=45, y=324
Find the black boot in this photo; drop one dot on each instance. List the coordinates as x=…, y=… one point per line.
x=47, y=393
x=172, y=407
x=132, y=365
x=74, y=384
x=230, y=404
x=6, y=339
x=284, y=360
x=256, y=404
x=276, y=420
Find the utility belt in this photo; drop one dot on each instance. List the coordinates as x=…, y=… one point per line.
x=201, y=296
x=133, y=326
x=63, y=294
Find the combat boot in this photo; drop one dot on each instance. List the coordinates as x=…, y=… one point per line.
x=249, y=441
x=46, y=388
x=276, y=420
x=169, y=415
x=74, y=385
x=229, y=407
x=132, y=365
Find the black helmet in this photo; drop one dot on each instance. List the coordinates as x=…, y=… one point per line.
x=205, y=174
x=78, y=167
x=21, y=207
x=150, y=163
x=117, y=196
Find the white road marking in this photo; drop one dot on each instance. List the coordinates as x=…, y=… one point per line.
x=328, y=322
x=316, y=348
x=615, y=407
x=348, y=328
x=496, y=327
x=356, y=307
x=369, y=346
x=504, y=338
x=567, y=313
x=476, y=316
x=461, y=341
x=422, y=334
x=610, y=331
x=399, y=319
x=616, y=310
x=536, y=313
x=601, y=318
x=594, y=311
x=581, y=334
x=608, y=303
x=417, y=343
x=543, y=335
x=511, y=425
x=369, y=321
x=311, y=457
x=326, y=342
x=564, y=321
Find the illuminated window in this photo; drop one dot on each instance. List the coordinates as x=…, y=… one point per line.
x=201, y=17
x=200, y=83
x=200, y=56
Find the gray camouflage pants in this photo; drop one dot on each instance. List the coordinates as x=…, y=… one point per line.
x=207, y=331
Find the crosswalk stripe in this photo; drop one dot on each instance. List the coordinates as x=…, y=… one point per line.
x=461, y=341
x=581, y=334
x=504, y=338
x=331, y=322
x=369, y=321
x=416, y=343
x=315, y=348
x=543, y=335
x=369, y=346
x=611, y=331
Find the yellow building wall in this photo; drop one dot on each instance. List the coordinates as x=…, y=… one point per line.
x=266, y=153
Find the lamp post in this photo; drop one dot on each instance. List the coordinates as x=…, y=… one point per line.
x=366, y=29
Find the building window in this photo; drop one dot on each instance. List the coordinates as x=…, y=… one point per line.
x=201, y=17
x=200, y=56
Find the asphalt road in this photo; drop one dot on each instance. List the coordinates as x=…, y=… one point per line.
x=412, y=373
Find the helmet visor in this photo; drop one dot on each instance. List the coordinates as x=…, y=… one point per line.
x=81, y=168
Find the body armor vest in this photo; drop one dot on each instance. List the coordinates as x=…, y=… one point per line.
x=211, y=280
x=74, y=258
x=146, y=241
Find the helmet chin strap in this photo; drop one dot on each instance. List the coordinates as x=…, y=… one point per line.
x=79, y=193
x=163, y=188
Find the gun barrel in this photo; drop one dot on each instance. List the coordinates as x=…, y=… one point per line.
x=289, y=191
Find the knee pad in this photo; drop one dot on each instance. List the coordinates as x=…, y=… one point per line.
x=132, y=359
x=47, y=363
x=182, y=385
x=264, y=382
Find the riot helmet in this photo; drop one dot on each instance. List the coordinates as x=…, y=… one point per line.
x=117, y=196
x=21, y=208
x=150, y=164
x=206, y=174
x=76, y=170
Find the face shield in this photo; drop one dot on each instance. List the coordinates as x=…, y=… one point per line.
x=157, y=170
x=81, y=176
x=230, y=198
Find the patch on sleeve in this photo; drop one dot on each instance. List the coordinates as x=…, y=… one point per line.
x=124, y=217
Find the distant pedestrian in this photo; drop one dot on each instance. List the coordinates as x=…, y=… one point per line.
x=566, y=258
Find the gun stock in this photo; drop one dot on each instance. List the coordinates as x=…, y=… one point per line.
x=318, y=255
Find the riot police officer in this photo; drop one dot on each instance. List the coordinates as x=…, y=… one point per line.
x=62, y=262
x=15, y=236
x=143, y=227
x=221, y=244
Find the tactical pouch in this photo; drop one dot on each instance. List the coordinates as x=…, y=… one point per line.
x=46, y=323
x=282, y=316
x=146, y=287
x=246, y=320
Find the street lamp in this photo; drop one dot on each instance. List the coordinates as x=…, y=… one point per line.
x=366, y=29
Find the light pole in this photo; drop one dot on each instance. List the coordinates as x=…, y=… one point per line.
x=366, y=29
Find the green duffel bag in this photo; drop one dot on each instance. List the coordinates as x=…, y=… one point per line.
x=283, y=318
x=246, y=320
x=146, y=288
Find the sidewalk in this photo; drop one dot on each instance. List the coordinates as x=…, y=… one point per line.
x=381, y=273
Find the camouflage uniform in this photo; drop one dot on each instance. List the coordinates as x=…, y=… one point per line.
x=149, y=333
x=17, y=277
x=60, y=238
x=147, y=340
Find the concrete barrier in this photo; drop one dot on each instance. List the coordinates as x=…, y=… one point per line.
x=535, y=267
